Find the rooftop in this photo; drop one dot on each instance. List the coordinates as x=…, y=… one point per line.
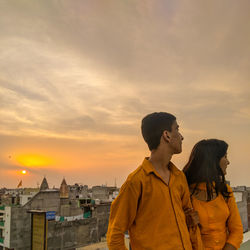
x=103, y=245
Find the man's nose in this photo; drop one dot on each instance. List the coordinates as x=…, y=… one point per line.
x=182, y=138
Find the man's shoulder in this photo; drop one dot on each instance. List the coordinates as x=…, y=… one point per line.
x=134, y=180
x=176, y=171
x=137, y=175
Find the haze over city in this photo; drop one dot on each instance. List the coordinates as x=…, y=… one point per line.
x=77, y=77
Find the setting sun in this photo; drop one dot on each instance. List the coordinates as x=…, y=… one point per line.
x=24, y=172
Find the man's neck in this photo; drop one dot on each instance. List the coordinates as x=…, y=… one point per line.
x=160, y=159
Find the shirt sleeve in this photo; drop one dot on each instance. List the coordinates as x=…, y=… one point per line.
x=234, y=224
x=194, y=232
x=122, y=215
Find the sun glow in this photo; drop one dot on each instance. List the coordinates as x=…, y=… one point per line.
x=24, y=172
x=34, y=160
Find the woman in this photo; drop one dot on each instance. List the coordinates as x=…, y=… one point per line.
x=212, y=198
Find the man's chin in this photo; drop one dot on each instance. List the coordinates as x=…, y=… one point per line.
x=178, y=151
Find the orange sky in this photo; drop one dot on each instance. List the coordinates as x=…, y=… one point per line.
x=77, y=77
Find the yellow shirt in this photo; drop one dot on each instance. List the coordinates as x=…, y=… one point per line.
x=152, y=212
x=220, y=221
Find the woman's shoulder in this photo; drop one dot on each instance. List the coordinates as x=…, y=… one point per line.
x=229, y=189
x=199, y=192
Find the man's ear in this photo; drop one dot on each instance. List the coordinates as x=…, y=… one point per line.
x=166, y=135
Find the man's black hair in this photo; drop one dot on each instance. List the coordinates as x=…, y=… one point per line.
x=153, y=125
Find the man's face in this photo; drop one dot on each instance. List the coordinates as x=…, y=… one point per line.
x=175, y=139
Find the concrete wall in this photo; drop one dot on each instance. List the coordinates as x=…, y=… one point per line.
x=24, y=198
x=99, y=192
x=78, y=233
x=44, y=200
x=248, y=207
x=102, y=214
x=77, y=191
x=20, y=237
x=69, y=207
x=241, y=196
x=7, y=226
x=72, y=234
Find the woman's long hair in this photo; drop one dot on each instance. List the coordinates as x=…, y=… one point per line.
x=204, y=166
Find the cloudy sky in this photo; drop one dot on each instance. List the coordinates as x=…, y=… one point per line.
x=77, y=77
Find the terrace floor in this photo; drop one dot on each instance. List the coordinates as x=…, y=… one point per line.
x=103, y=245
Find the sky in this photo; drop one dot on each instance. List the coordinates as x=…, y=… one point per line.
x=77, y=77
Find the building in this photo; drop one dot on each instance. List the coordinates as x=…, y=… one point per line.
x=77, y=219
x=80, y=214
x=248, y=205
x=241, y=197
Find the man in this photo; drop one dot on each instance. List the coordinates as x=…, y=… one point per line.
x=152, y=201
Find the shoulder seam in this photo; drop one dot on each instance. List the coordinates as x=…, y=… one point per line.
x=134, y=174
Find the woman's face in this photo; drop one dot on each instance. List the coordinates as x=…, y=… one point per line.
x=223, y=164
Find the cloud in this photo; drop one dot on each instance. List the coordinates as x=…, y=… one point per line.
x=91, y=70
x=22, y=92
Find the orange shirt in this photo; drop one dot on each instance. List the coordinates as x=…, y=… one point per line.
x=220, y=221
x=152, y=212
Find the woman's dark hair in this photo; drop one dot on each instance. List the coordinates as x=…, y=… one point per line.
x=204, y=166
x=153, y=125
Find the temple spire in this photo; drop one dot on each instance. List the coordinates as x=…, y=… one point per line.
x=64, y=191
x=44, y=184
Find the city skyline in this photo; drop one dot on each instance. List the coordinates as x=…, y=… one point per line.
x=77, y=78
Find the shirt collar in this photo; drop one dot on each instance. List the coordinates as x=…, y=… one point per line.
x=149, y=168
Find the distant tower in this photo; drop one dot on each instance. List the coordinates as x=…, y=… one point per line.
x=64, y=199
x=44, y=185
x=64, y=191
